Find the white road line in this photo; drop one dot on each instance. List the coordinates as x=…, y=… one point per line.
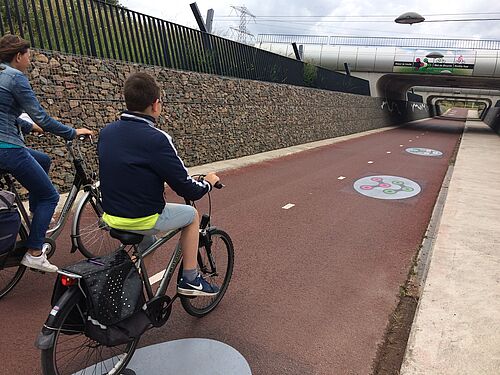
x=157, y=277
x=288, y=206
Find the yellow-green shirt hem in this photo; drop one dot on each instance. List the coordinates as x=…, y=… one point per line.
x=125, y=223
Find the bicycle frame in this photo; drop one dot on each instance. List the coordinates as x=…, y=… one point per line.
x=159, y=304
x=174, y=261
x=80, y=179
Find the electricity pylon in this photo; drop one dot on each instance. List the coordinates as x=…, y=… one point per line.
x=241, y=30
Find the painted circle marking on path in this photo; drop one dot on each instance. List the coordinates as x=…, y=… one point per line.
x=422, y=151
x=387, y=187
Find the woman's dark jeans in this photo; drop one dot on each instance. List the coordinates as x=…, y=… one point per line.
x=30, y=168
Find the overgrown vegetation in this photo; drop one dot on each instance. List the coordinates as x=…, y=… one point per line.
x=310, y=74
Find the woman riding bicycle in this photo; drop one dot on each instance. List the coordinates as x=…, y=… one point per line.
x=29, y=167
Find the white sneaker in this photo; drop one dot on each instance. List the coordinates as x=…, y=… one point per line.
x=40, y=263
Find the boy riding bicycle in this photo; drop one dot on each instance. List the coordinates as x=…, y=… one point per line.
x=135, y=160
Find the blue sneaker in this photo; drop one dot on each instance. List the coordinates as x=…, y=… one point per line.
x=198, y=287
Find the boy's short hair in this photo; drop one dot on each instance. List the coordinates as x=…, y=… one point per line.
x=10, y=46
x=141, y=90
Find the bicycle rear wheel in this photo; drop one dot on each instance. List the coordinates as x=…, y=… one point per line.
x=75, y=353
x=11, y=274
x=216, y=266
x=91, y=233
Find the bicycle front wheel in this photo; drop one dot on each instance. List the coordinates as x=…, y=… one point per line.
x=11, y=274
x=76, y=354
x=216, y=266
x=91, y=232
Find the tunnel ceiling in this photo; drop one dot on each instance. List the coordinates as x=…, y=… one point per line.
x=395, y=86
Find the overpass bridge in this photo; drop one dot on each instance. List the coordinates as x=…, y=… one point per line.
x=435, y=68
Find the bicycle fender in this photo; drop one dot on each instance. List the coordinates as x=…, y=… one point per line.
x=79, y=207
x=45, y=339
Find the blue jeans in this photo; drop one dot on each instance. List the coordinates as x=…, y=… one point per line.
x=30, y=169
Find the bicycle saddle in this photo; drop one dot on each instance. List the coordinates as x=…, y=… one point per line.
x=126, y=238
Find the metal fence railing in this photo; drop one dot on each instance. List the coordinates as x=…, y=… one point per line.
x=101, y=29
x=381, y=41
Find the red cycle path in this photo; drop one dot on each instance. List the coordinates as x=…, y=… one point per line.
x=314, y=285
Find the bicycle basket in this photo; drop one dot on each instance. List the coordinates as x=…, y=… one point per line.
x=10, y=221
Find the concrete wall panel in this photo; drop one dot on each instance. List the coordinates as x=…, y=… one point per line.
x=384, y=60
x=366, y=59
x=485, y=63
x=347, y=54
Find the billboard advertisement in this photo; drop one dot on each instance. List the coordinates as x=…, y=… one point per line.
x=419, y=61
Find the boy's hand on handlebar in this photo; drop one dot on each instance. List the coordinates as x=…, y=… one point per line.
x=212, y=178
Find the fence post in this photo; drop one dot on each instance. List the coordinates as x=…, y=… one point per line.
x=89, y=28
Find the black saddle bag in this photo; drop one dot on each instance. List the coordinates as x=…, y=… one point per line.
x=116, y=310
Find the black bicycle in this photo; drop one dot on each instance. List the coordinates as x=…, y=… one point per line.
x=64, y=341
x=89, y=234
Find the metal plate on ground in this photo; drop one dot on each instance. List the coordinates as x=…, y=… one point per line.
x=188, y=357
x=423, y=151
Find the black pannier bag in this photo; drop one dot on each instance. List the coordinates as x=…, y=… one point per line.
x=116, y=310
x=10, y=221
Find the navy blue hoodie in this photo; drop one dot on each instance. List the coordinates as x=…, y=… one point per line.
x=135, y=160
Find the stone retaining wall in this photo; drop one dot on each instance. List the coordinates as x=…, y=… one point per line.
x=211, y=118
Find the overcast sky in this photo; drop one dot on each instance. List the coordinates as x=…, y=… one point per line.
x=330, y=17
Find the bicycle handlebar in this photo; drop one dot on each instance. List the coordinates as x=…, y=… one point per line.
x=83, y=137
x=217, y=185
